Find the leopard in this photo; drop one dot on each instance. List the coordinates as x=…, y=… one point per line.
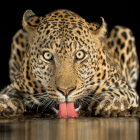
x=60, y=57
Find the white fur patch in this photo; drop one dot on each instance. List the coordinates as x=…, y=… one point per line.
x=9, y=103
x=77, y=109
x=35, y=100
x=55, y=110
x=5, y=96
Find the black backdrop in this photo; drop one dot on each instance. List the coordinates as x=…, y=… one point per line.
x=114, y=12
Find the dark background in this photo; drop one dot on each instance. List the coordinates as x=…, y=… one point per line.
x=114, y=12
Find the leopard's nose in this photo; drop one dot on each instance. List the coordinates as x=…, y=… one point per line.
x=66, y=91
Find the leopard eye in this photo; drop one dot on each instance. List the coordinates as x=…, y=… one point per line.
x=80, y=55
x=47, y=56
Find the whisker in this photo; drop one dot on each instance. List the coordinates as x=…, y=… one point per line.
x=52, y=103
x=84, y=101
x=79, y=101
x=33, y=104
x=92, y=98
x=38, y=107
x=47, y=105
x=96, y=84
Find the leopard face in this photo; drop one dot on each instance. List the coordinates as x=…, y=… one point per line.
x=62, y=56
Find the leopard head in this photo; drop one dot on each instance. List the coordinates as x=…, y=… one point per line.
x=62, y=53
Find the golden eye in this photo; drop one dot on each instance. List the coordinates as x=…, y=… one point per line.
x=47, y=56
x=80, y=55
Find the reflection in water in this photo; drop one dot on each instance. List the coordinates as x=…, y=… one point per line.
x=70, y=129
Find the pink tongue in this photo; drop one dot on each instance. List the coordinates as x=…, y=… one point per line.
x=67, y=110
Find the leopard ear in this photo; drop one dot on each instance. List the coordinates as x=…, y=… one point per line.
x=97, y=30
x=31, y=20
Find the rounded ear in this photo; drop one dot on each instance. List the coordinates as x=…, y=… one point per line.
x=97, y=30
x=31, y=20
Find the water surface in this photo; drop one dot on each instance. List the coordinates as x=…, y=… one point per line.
x=70, y=129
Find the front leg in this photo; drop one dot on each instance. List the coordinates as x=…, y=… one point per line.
x=115, y=99
x=10, y=102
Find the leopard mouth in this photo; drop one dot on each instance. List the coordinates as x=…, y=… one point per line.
x=77, y=107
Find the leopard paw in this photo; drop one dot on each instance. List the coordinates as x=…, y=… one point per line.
x=10, y=107
x=106, y=106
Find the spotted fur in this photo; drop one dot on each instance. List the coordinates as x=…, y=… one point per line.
x=103, y=80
